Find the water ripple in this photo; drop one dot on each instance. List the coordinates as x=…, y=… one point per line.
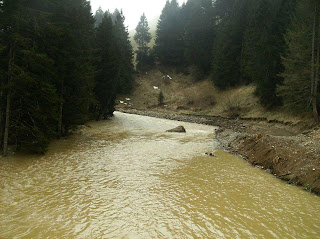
x=128, y=178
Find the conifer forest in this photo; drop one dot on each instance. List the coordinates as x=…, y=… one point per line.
x=62, y=65
x=59, y=68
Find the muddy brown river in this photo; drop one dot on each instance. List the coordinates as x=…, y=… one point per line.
x=128, y=178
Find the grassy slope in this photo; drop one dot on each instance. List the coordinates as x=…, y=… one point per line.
x=183, y=95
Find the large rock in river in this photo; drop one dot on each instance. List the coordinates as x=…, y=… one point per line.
x=179, y=129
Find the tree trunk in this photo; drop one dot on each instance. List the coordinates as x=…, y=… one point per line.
x=1, y=114
x=102, y=113
x=8, y=105
x=7, y=124
x=313, y=55
x=104, y=109
x=316, y=79
x=60, y=111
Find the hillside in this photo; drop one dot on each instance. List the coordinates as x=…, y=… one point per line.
x=184, y=95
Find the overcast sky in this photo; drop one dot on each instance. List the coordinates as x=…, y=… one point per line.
x=132, y=9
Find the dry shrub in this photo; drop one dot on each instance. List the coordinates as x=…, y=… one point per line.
x=199, y=96
x=189, y=97
x=232, y=105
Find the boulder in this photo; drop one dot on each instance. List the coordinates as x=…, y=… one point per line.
x=179, y=129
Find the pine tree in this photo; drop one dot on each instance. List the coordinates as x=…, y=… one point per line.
x=9, y=34
x=248, y=45
x=263, y=45
x=28, y=92
x=160, y=98
x=107, y=77
x=48, y=69
x=125, y=56
x=70, y=48
x=301, y=63
x=226, y=70
x=199, y=33
x=224, y=9
x=169, y=41
x=98, y=17
x=143, y=38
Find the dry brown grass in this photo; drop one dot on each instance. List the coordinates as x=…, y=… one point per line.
x=232, y=106
x=185, y=95
x=235, y=102
x=199, y=95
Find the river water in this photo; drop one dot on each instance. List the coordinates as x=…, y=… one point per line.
x=128, y=178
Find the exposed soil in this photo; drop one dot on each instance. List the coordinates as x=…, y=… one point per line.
x=284, y=150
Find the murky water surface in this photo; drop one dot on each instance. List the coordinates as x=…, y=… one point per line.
x=128, y=178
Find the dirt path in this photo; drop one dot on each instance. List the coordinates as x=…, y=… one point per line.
x=283, y=150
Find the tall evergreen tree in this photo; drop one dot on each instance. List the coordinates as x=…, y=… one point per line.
x=169, y=41
x=199, y=33
x=108, y=70
x=125, y=56
x=226, y=70
x=301, y=62
x=248, y=45
x=48, y=69
x=72, y=32
x=143, y=38
x=224, y=9
x=98, y=16
x=263, y=45
x=28, y=90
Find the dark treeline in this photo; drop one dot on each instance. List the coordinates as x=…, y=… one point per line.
x=237, y=42
x=274, y=44
x=58, y=68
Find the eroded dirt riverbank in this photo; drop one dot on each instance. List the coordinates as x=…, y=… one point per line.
x=283, y=150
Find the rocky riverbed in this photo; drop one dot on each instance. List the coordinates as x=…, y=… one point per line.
x=284, y=150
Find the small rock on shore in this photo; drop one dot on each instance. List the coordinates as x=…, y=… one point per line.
x=179, y=129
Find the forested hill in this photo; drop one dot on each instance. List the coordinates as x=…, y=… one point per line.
x=273, y=44
x=61, y=66
x=58, y=69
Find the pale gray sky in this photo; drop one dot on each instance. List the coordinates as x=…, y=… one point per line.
x=132, y=9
